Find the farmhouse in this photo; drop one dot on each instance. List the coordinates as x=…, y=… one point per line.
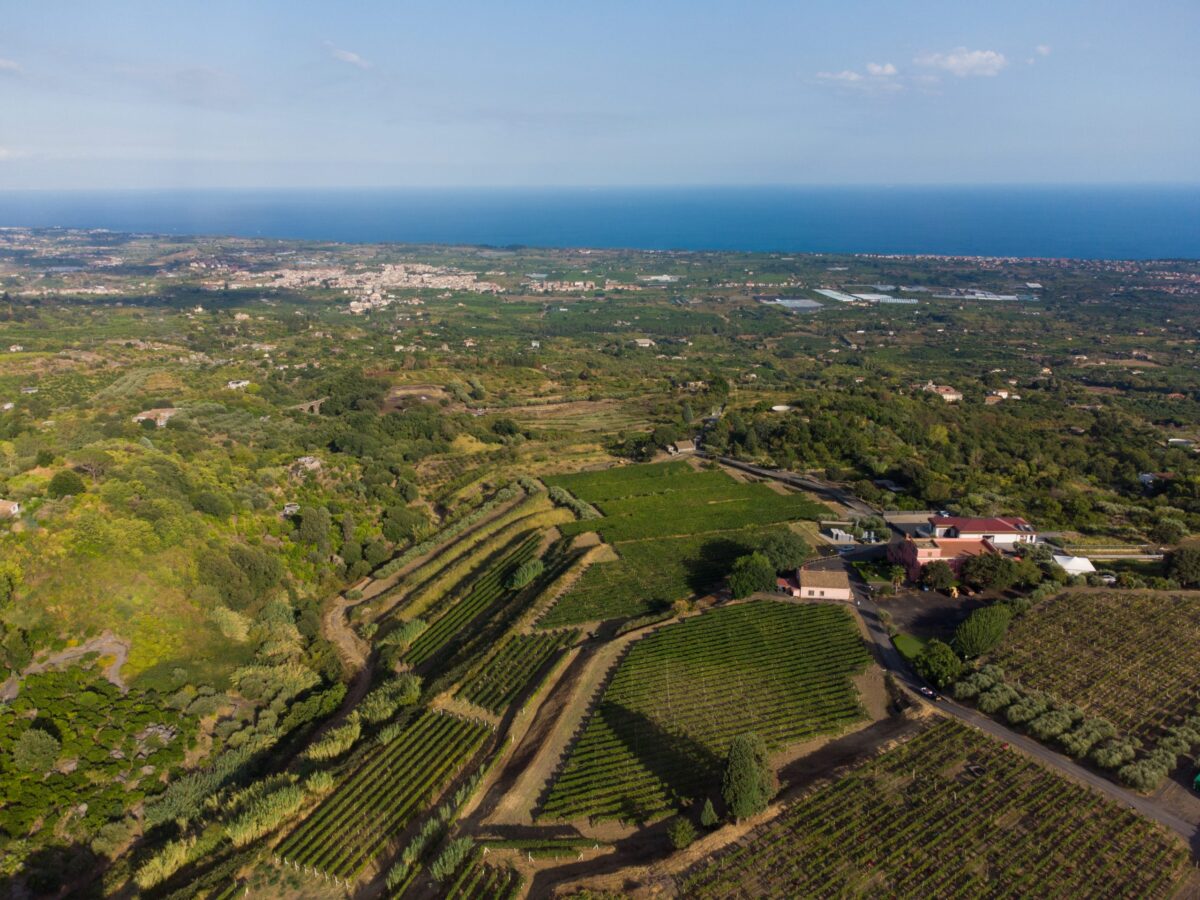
x=1002, y=531
x=914, y=554
x=947, y=393
x=682, y=447
x=159, y=417
x=9, y=509
x=823, y=585
x=644, y=343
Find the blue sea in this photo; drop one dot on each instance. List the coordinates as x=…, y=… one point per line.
x=1135, y=222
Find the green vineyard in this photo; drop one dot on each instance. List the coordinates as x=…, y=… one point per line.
x=642, y=502
x=951, y=813
x=353, y=825
x=479, y=881
x=675, y=530
x=479, y=599
x=1129, y=657
x=506, y=674
x=660, y=733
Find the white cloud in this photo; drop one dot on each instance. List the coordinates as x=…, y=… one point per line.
x=9, y=66
x=348, y=56
x=845, y=76
x=881, y=70
x=1043, y=49
x=963, y=63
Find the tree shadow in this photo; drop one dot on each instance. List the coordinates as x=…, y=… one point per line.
x=686, y=767
x=713, y=562
x=72, y=870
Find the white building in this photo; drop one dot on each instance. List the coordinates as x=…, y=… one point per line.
x=1075, y=565
x=1001, y=531
x=816, y=584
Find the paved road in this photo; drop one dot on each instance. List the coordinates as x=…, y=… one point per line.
x=890, y=658
x=826, y=489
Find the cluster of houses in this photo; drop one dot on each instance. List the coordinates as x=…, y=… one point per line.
x=956, y=539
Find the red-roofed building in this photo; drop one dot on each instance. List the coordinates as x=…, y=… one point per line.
x=1002, y=531
x=916, y=553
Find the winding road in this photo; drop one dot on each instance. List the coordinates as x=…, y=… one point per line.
x=889, y=657
x=891, y=660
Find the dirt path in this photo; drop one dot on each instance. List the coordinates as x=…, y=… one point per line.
x=351, y=649
x=513, y=795
x=105, y=644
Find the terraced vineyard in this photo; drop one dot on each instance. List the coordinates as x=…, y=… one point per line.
x=650, y=574
x=488, y=590
x=1128, y=657
x=660, y=733
x=506, y=674
x=951, y=813
x=353, y=825
x=428, y=584
x=485, y=882
x=675, y=529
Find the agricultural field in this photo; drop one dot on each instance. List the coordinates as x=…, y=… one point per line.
x=676, y=531
x=234, y=501
x=678, y=501
x=1129, y=657
x=659, y=735
x=483, y=593
x=950, y=813
x=482, y=881
x=506, y=674
x=353, y=825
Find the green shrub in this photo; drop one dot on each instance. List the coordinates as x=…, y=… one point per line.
x=996, y=698
x=938, y=664
x=451, y=858
x=65, y=483
x=524, y=574
x=681, y=832
x=752, y=572
x=982, y=630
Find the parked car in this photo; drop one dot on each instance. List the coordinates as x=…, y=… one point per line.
x=930, y=694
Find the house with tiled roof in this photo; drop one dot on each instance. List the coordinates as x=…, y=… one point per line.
x=914, y=554
x=1001, y=531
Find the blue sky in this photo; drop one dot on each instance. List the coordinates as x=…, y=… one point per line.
x=173, y=94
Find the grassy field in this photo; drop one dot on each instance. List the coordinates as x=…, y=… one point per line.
x=909, y=646
x=1128, y=657
x=672, y=499
x=659, y=736
x=950, y=813
x=676, y=530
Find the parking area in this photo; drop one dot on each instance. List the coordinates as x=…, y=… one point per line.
x=928, y=614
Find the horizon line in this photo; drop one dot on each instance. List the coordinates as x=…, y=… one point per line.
x=663, y=186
